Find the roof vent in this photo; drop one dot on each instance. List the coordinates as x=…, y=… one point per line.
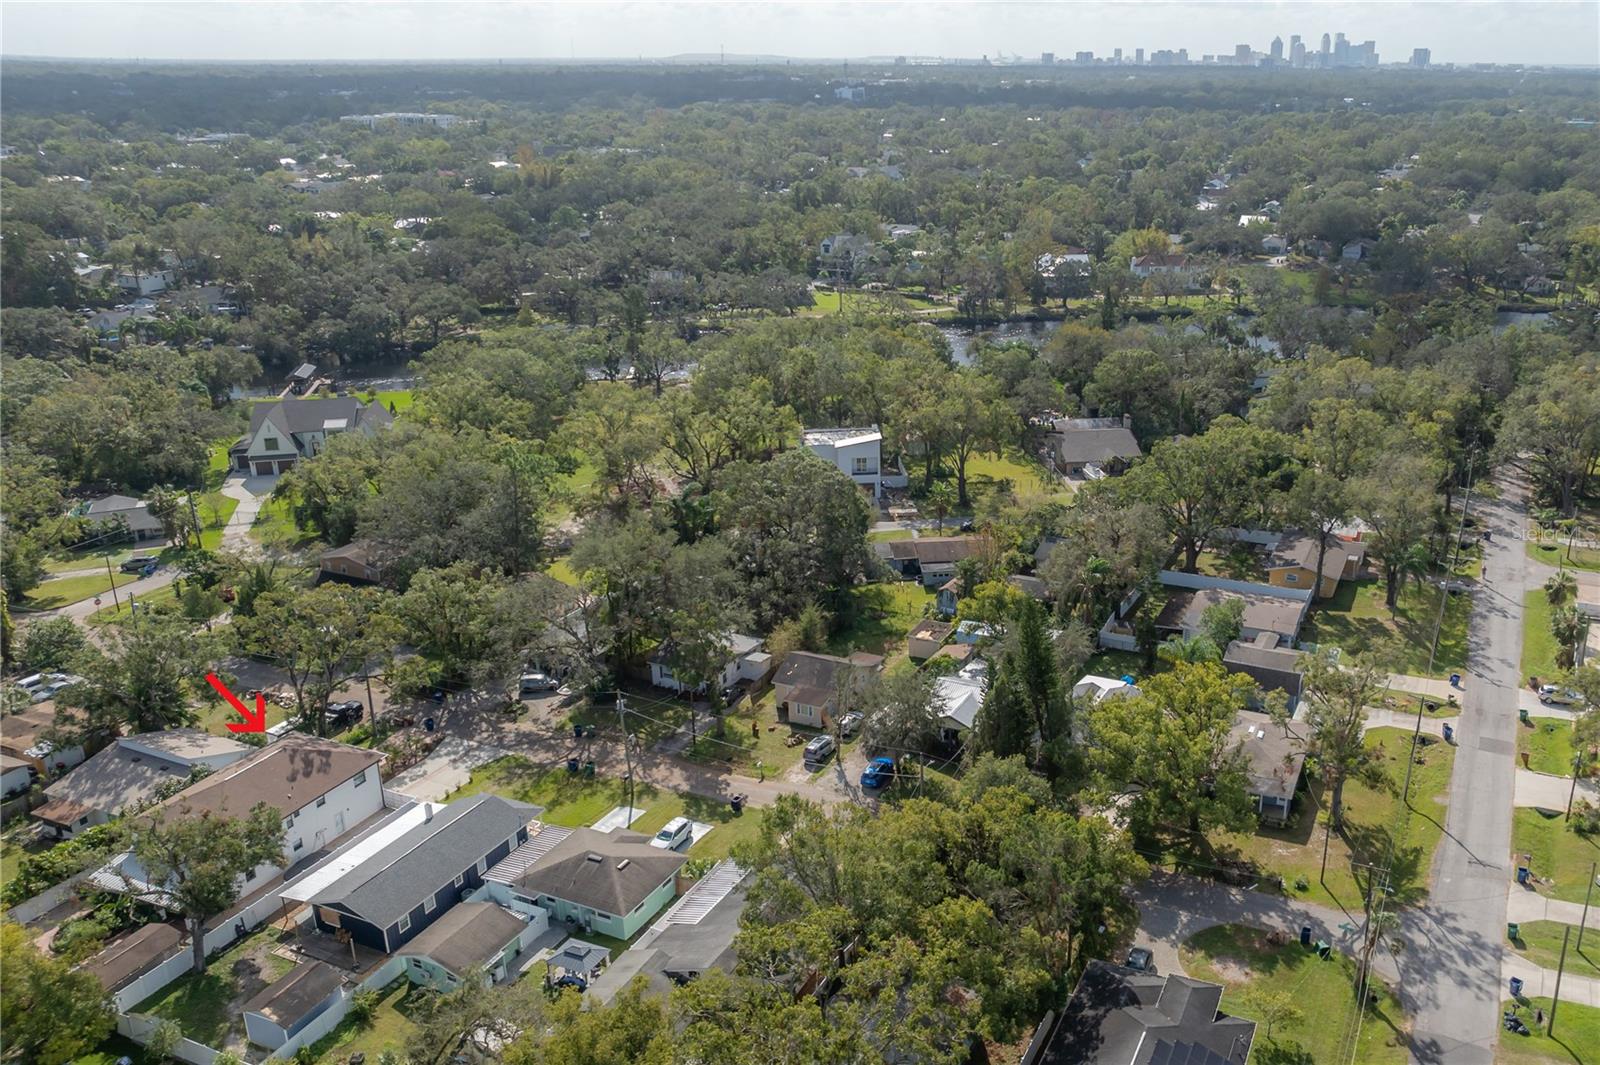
x=595, y=858
x=622, y=864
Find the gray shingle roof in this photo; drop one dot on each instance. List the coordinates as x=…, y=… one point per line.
x=608, y=871
x=390, y=884
x=467, y=937
x=310, y=415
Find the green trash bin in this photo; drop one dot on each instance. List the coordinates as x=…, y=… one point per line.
x=1523, y=714
x=1513, y=931
x=1323, y=949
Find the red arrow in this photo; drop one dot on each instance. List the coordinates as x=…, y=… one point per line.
x=256, y=722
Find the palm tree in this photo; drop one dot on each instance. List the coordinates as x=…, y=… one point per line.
x=1414, y=566
x=1560, y=589
x=1567, y=626
x=1091, y=585
x=1191, y=649
x=942, y=498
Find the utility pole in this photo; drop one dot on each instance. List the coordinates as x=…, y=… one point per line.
x=112, y=577
x=194, y=516
x=1555, y=1000
x=627, y=751
x=1586, y=893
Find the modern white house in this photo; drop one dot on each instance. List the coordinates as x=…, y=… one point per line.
x=282, y=433
x=858, y=454
x=145, y=282
x=746, y=661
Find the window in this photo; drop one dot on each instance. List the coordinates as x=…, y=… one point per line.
x=299, y=843
x=861, y=464
x=461, y=878
x=270, y=443
x=361, y=778
x=405, y=924
x=322, y=800
x=430, y=904
x=483, y=866
x=1291, y=578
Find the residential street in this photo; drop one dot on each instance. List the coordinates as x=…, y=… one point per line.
x=1451, y=969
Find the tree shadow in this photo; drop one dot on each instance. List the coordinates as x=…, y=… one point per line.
x=1287, y=1052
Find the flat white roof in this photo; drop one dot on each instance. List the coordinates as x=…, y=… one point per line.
x=841, y=437
x=313, y=881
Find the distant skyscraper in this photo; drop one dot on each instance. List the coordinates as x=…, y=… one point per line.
x=1138, y=56
x=1084, y=58
x=1047, y=58
x=1116, y=56
x=1421, y=57
x=1277, y=50
x=1242, y=55
x=1327, y=48
x=1297, y=52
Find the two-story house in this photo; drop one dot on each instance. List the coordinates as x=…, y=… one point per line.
x=745, y=661
x=858, y=454
x=320, y=788
x=284, y=432
x=807, y=685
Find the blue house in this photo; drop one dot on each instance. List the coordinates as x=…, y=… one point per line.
x=413, y=879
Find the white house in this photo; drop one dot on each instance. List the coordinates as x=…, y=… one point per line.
x=746, y=661
x=1275, y=244
x=16, y=775
x=282, y=433
x=1095, y=688
x=1151, y=265
x=322, y=790
x=145, y=282
x=858, y=454
x=957, y=698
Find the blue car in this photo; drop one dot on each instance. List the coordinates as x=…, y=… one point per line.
x=879, y=773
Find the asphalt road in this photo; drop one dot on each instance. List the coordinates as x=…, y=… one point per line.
x=1450, y=968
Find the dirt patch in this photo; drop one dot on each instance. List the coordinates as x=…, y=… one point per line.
x=1232, y=970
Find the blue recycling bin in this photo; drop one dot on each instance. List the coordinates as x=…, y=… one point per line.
x=427, y=724
x=1516, y=987
x=1455, y=680
x=1449, y=733
x=1127, y=678
x=1523, y=875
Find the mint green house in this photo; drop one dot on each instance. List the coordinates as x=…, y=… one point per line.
x=473, y=942
x=612, y=882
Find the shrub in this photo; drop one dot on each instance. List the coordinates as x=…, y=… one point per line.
x=363, y=1004
x=39, y=872
x=1586, y=818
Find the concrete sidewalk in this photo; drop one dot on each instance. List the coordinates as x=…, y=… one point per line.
x=1525, y=907
x=1551, y=792
x=442, y=772
x=1541, y=983
x=1382, y=717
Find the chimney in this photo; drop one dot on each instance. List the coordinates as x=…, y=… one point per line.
x=1127, y=421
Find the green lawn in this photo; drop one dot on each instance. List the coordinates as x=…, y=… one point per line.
x=1548, y=744
x=401, y=399
x=573, y=800
x=16, y=844
x=1554, y=553
x=1244, y=961
x=1239, y=564
x=561, y=570
x=1540, y=943
x=207, y=1007
x=1538, y=644
x=1371, y=817
x=114, y=1049
x=889, y=535
x=215, y=509
x=274, y=526
x=831, y=302
x=1357, y=621
x=1576, y=1040
x=1559, y=857
x=751, y=734
x=389, y=1027
x=1030, y=481
x=68, y=559
x=62, y=591
x=880, y=617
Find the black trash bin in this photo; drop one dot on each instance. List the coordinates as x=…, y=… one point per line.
x=572, y=765
x=1305, y=935
x=737, y=802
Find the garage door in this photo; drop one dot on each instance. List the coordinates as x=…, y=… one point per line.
x=264, y=469
x=284, y=464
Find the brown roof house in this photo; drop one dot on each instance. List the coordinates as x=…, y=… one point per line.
x=926, y=637
x=355, y=563
x=933, y=558
x=807, y=684
x=282, y=1010
x=1264, y=611
x=22, y=736
x=322, y=789
x=609, y=882
x=473, y=941
x=1293, y=562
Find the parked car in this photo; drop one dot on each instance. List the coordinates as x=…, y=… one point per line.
x=344, y=715
x=879, y=773
x=1554, y=694
x=138, y=563
x=33, y=682
x=534, y=683
x=54, y=683
x=674, y=834
x=1141, y=960
x=819, y=749
x=850, y=723
x=731, y=696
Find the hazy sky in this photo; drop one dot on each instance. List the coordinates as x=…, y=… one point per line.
x=1505, y=31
